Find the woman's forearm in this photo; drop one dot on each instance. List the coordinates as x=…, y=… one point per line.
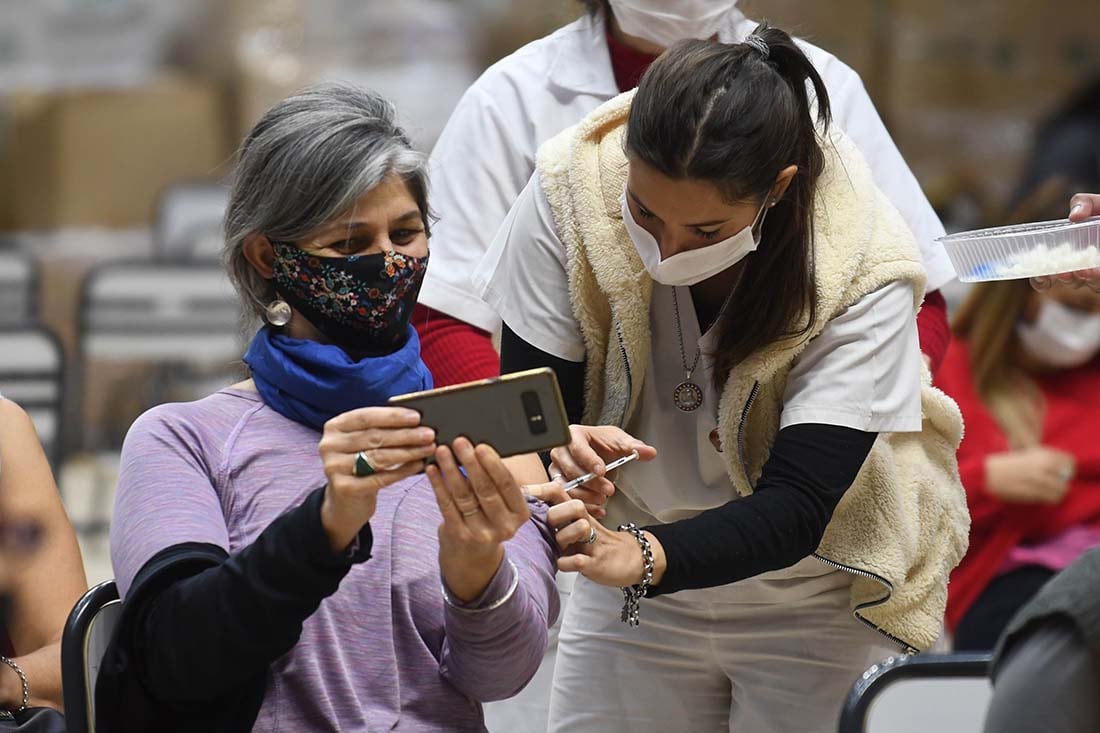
x=810, y=468
x=43, y=671
x=494, y=645
x=208, y=633
x=467, y=573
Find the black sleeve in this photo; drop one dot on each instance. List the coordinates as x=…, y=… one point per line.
x=782, y=522
x=209, y=633
x=517, y=355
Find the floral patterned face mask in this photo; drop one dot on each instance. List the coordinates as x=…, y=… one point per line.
x=362, y=303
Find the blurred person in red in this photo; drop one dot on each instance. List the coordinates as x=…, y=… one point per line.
x=43, y=575
x=486, y=155
x=1023, y=367
x=1046, y=667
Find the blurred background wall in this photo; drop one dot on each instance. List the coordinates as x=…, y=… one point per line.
x=84, y=82
x=118, y=120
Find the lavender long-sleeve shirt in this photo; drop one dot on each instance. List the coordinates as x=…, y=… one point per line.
x=384, y=652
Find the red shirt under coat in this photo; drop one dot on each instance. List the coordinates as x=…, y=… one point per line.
x=1070, y=423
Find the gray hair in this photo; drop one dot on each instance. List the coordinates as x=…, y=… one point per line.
x=306, y=162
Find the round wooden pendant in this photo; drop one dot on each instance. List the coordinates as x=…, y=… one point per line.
x=688, y=396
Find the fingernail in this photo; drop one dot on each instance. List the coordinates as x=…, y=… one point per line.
x=1077, y=209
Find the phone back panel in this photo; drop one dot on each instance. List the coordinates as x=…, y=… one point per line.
x=514, y=413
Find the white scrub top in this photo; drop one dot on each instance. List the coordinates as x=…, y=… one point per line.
x=486, y=153
x=861, y=372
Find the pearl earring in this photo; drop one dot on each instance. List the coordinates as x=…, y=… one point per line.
x=278, y=312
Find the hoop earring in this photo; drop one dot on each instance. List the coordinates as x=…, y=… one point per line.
x=278, y=312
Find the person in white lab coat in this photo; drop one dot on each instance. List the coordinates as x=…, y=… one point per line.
x=486, y=154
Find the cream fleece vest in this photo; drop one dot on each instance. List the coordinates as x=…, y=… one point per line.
x=903, y=525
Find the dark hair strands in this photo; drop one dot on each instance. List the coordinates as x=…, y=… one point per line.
x=594, y=7
x=727, y=115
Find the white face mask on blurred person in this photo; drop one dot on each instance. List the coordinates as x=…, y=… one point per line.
x=665, y=22
x=1061, y=336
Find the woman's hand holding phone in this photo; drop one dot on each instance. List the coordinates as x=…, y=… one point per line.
x=481, y=511
x=395, y=445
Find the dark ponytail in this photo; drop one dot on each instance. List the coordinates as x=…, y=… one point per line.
x=595, y=7
x=735, y=115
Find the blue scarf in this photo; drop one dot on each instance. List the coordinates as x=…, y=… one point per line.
x=311, y=383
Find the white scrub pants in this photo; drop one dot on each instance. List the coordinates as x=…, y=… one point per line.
x=776, y=653
x=528, y=711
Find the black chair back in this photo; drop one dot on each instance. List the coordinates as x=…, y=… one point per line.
x=32, y=374
x=881, y=677
x=83, y=642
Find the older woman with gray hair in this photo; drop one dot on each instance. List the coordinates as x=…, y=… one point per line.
x=287, y=561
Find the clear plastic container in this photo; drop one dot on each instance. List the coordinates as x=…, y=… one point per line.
x=1024, y=250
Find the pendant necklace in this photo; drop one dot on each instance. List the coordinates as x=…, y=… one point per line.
x=688, y=396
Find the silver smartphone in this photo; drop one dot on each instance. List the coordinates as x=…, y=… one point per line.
x=514, y=413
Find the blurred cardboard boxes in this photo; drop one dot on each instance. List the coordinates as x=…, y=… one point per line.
x=960, y=85
x=855, y=31
x=969, y=81
x=100, y=157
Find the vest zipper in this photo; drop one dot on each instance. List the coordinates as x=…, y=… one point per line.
x=629, y=378
x=741, y=432
x=905, y=646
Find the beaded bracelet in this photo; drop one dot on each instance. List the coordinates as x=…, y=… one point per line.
x=632, y=594
x=23, y=680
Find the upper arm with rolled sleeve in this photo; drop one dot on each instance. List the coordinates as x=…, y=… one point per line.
x=863, y=370
x=523, y=278
x=479, y=165
x=855, y=114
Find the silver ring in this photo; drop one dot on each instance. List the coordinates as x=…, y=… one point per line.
x=557, y=477
x=471, y=513
x=591, y=537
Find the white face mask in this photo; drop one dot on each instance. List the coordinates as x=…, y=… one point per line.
x=695, y=265
x=1061, y=336
x=665, y=22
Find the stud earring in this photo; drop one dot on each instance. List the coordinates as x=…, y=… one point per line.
x=278, y=312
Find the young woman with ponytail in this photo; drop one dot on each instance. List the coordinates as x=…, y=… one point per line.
x=486, y=155
x=721, y=287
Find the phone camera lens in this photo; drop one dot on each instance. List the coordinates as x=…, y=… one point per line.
x=532, y=409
